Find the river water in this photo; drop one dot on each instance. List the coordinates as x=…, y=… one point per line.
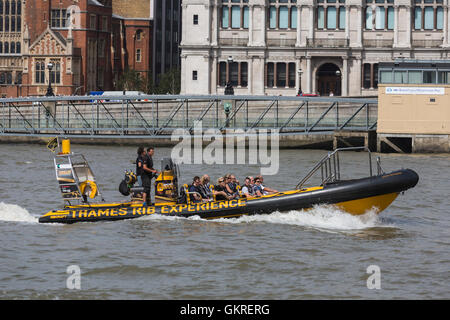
x=318, y=254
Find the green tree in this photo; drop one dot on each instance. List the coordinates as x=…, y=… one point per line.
x=147, y=84
x=170, y=82
x=131, y=80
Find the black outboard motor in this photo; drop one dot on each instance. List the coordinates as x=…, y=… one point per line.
x=126, y=187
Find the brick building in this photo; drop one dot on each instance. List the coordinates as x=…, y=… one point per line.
x=132, y=36
x=88, y=42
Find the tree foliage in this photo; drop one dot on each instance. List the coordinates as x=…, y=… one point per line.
x=132, y=80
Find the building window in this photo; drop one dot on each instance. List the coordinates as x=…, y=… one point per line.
x=282, y=14
x=428, y=15
x=234, y=72
x=331, y=14
x=280, y=75
x=92, y=22
x=39, y=72
x=270, y=75
x=244, y=74
x=139, y=35
x=370, y=75
x=104, y=23
x=195, y=19
x=379, y=15
x=18, y=78
x=222, y=76
x=235, y=14
x=194, y=75
x=101, y=48
x=55, y=74
x=138, y=55
x=58, y=18
x=9, y=78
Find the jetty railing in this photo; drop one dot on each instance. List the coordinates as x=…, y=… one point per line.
x=160, y=115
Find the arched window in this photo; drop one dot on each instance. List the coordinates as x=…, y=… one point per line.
x=13, y=23
x=7, y=7
x=6, y=47
x=19, y=24
x=13, y=7
x=7, y=24
x=1, y=47
x=13, y=47
x=18, y=47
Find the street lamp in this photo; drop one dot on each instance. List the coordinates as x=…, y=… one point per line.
x=49, y=89
x=299, y=72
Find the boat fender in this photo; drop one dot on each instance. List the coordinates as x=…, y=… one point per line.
x=91, y=185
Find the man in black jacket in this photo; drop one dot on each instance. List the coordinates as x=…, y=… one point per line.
x=147, y=175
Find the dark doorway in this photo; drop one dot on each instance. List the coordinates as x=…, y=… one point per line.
x=329, y=80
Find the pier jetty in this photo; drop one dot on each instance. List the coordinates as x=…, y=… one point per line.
x=301, y=122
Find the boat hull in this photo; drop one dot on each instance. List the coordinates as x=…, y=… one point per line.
x=353, y=196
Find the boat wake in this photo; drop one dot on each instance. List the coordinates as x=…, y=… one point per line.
x=15, y=213
x=323, y=217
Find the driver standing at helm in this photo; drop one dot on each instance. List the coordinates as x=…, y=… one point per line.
x=147, y=175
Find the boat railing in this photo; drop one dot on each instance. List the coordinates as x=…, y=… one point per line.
x=330, y=167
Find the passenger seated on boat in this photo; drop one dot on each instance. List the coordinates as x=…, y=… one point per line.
x=205, y=188
x=195, y=191
x=220, y=190
x=231, y=186
x=247, y=189
x=265, y=190
x=257, y=188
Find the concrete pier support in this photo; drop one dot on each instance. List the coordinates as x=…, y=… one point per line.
x=355, y=139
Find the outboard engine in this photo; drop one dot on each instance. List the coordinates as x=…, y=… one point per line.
x=126, y=187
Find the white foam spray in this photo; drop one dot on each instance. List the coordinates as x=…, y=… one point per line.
x=15, y=213
x=323, y=217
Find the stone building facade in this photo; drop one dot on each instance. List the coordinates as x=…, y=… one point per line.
x=273, y=47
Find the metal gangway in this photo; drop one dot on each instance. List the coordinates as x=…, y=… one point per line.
x=160, y=115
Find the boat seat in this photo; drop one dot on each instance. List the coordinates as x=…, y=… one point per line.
x=188, y=194
x=211, y=187
x=239, y=189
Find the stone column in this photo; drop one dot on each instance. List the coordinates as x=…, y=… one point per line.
x=408, y=32
x=445, y=31
x=345, y=76
x=347, y=23
x=250, y=76
x=396, y=26
x=214, y=75
x=264, y=26
x=311, y=22
x=215, y=25
x=250, y=25
x=299, y=27
x=359, y=15
x=308, y=75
